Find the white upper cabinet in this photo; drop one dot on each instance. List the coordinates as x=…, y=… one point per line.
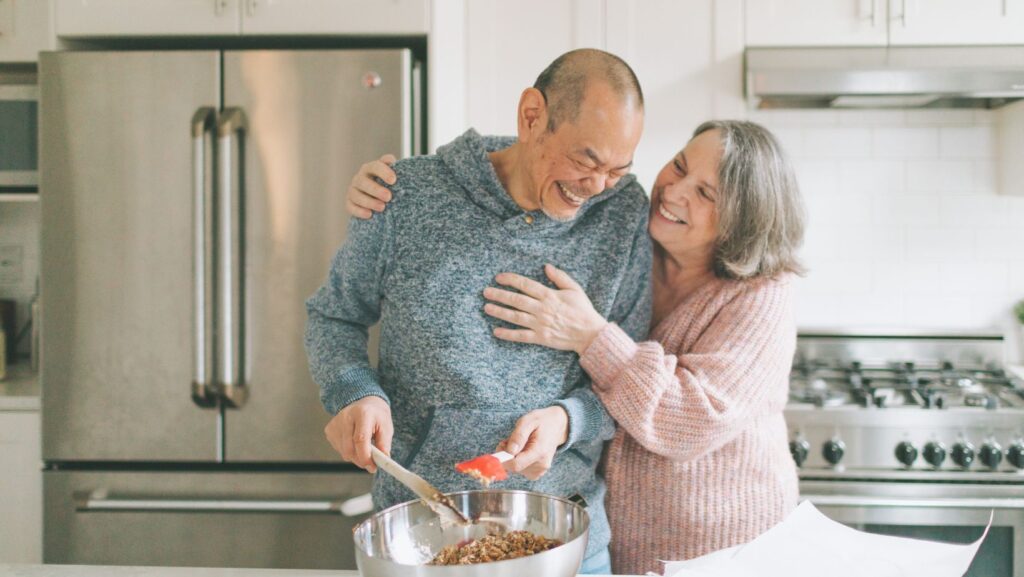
x=945, y=22
x=85, y=18
x=92, y=18
x=392, y=17
x=884, y=22
x=816, y=22
x=24, y=30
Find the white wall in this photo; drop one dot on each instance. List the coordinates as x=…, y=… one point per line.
x=906, y=226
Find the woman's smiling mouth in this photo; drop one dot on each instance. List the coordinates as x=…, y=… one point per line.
x=668, y=215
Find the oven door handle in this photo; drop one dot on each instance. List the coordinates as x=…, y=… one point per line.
x=98, y=501
x=943, y=503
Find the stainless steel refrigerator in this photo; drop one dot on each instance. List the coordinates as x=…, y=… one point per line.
x=191, y=201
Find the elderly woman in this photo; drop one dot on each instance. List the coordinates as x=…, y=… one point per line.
x=700, y=460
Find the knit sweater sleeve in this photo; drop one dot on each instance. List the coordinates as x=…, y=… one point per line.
x=341, y=312
x=688, y=404
x=588, y=418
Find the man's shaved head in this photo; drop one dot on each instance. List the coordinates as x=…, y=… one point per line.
x=564, y=82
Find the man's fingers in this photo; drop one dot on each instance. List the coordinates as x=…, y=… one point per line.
x=385, y=432
x=561, y=278
x=525, y=427
x=361, y=437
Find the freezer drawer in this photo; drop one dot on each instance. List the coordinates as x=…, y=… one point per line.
x=234, y=519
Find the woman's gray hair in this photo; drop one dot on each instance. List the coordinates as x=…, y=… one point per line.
x=760, y=211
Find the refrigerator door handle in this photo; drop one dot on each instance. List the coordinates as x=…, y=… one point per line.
x=232, y=389
x=98, y=501
x=202, y=392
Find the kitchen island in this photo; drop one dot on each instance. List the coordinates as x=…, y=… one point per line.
x=112, y=571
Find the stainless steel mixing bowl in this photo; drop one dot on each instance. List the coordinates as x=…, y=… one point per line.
x=398, y=542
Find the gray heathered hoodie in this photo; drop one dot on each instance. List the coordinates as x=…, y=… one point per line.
x=455, y=390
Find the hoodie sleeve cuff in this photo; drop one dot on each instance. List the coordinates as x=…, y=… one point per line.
x=608, y=355
x=586, y=418
x=351, y=386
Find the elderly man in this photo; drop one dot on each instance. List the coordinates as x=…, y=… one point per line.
x=446, y=389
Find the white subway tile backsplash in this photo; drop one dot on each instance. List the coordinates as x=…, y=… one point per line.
x=817, y=176
x=977, y=278
x=846, y=142
x=972, y=209
x=940, y=243
x=906, y=226
x=904, y=142
x=1002, y=243
x=940, y=116
x=905, y=209
x=871, y=176
x=941, y=175
x=966, y=142
x=871, y=117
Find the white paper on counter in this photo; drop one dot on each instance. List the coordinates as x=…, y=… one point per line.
x=809, y=544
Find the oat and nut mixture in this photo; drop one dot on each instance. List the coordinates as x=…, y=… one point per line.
x=494, y=548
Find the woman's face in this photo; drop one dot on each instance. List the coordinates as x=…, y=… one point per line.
x=684, y=215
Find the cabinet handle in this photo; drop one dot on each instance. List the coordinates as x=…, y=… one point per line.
x=251, y=7
x=202, y=124
x=97, y=501
x=219, y=6
x=903, y=12
x=230, y=385
x=874, y=13
x=904, y=502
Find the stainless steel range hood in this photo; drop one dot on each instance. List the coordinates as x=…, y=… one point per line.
x=893, y=77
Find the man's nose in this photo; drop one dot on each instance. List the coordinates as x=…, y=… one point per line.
x=596, y=183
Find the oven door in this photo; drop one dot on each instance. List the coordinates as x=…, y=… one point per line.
x=951, y=512
x=289, y=520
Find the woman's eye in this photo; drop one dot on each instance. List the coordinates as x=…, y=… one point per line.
x=678, y=167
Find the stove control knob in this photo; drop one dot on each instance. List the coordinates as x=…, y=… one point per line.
x=906, y=453
x=991, y=454
x=1015, y=454
x=935, y=453
x=799, y=448
x=963, y=454
x=833, y=450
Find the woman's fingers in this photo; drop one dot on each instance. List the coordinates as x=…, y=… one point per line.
x=523, y=284
x=517, y=336
x=515, y=300
x=357, y=211
x=510, y=315
x=367, y=185
x=561, y=278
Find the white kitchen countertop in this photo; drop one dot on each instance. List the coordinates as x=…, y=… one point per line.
x=108, y=571
x=19, y=391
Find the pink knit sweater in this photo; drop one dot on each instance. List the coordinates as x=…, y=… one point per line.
x=700, y=460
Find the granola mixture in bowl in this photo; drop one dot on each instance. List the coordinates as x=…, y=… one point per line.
x=494, y=548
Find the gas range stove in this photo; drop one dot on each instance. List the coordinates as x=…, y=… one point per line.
x=905, y=406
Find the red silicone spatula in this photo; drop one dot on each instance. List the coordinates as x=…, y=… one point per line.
x=486, y=468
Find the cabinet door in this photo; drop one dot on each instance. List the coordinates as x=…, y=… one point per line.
x=21, y=495
x=24, y=30
x=945, y=22
x=83, y=18
x=335, y=17
x=815, y=22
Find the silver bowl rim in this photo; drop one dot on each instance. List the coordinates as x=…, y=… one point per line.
x=583, y=533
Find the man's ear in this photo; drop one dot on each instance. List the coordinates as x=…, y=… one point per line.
x=532, y=114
